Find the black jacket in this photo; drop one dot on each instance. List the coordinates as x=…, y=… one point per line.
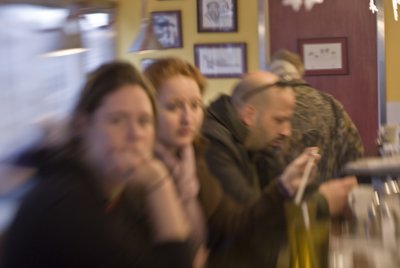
x=227, y=158
x=64, y=222
x=235, y=168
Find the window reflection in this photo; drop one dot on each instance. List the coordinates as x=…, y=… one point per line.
x=34, y=87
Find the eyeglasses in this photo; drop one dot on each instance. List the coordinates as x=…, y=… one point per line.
x=282, y=83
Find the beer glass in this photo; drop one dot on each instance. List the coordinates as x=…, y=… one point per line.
x=308, y=236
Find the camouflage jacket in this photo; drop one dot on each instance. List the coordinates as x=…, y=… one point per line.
x=319, y=120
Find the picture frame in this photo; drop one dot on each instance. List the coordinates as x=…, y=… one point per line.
x=217, y=16
x=221, y=60
x=167, y=27
x=324, y=56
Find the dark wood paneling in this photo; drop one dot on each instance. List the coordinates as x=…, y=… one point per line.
x=352, y=19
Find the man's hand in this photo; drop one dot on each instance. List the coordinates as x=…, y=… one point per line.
x=336, y=192
x=292, y=175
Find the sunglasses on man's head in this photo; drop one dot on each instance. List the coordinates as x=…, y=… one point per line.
x=282, y=83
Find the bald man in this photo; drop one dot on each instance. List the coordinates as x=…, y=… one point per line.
x=257, y=115
x=239, y=127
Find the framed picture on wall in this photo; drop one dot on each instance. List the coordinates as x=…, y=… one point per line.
x=217, y=16
x=223, y=60
x=324, y=56
x=167, y=27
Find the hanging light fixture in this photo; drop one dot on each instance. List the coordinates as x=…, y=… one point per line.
x=70, y=40
x=145, y=40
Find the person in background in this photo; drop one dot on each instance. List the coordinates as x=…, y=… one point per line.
x=101, y=199
x=179, y=87
x=239, y=127
x=318, y=120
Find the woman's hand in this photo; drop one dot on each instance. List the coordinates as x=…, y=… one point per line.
x=122, y=163
x=182, y=167
x=137, y=168
x=166, y=213
x=292, y=175
x=149, y=174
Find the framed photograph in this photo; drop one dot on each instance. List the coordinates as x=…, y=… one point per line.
x=217, y=16
x=222, y=60
x=167, y=26
x=324, y=56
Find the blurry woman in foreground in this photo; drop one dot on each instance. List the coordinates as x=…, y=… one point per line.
x=88, y=208
x=179, y=88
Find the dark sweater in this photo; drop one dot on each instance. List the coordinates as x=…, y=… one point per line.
x=63, y=222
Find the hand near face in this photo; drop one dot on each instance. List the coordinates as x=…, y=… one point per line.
x=149, y=175
x=336, y=192
x=182, y=164
x=123, y=163
x=182, y=168
x=139, y=170
x=292, y=175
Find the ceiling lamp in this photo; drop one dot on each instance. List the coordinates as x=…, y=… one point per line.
x=145, y=40
x=70, y=40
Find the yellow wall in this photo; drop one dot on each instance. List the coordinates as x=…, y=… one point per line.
x=392, y=47
x=128, y=19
